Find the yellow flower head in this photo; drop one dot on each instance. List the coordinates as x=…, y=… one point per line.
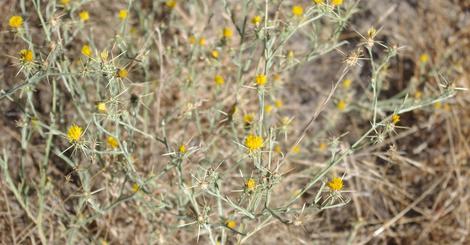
x=297, y=10
x=122, y=15
x=84, y=16
x=135, y=187
x=248, y=118
x=75, y=133
x=227, y=32
x=395, y=118
x=122, y=73
x=336, y=2
x=261, y=79
x=219, y=80
x=250, y=184
x=424, y=58
x=336, y=184
x=322, y=147
x=268, y=108
x=215, y=54
x=86, y=50
x=254, y=142
x=202, y=41
x=64, y=2
x=26, y=55
x=347, y=83
x=112, y=142
x=256, y=20
x=182, y=149
x=192, y=39
x=170, y=3
x=232, y=224
x=278, y=149
x=15, y=21
x=341, y=105
x=278, y=103
x=319, y=1
x=101, y=106
x=295, y=149
x=438, y=105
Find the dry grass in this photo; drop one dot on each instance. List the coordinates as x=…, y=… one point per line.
x=404, y=182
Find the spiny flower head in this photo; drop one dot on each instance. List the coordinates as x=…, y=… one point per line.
x=135, y=187
x=74, y=133
x=84, y=16
x=336, y=2
x=297, y=10
x=341, y=105
x=122, y=73
x=26, y=55
x=232, y=224
x=336, y=184
x=202, y=41
x=395, y=118
x=295, y=149
x=261, y=79
x=347, y=84
x=227, y=32
x=319, y=1
x=254, y=142
x=112, y=142
x=424, y=58
x=268, y=108
x=170, y=3
x=215, y=54
x=15, y=21
x=182, y=149
x=250, y=184
x=219, y=80
x=86, y=50
x=248, y=118
x=122, y=15
x=256, y=20
x=278, y=103
x=101, y=107
x=64, y=2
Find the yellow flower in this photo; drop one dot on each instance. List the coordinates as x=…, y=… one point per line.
x=278, y=149
x=75, y=133
x=170, y=3
x=418, y=95
x=254, y=142
x=248, y=118
x=261, y=79
x=319, y=1
x=297, y=10
x=182, y=149
x=341, y=105
x=256, y=20
x=250, y=184
x=86, y=50
x=296, y=149
x=15, y=21
x=336, y=184
x=322, y=147
x=64, y=2
x=438, y=105
x=395, y=118
x=112, y=142
x=84, y=16
x=268, y=108
x=227, y=32
x=219, y=80
x=231, y=224
x=192, y=39
x=101, y=107
x=135, y=187
x=202, y=41
x=122, y=73
x=278, y=103
x=26, y=55
x=424, y=58
x=347, y=83
x=215, y=54
x=123, y=14
x=336, y=2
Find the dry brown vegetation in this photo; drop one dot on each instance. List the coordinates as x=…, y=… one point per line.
x=404, y=183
